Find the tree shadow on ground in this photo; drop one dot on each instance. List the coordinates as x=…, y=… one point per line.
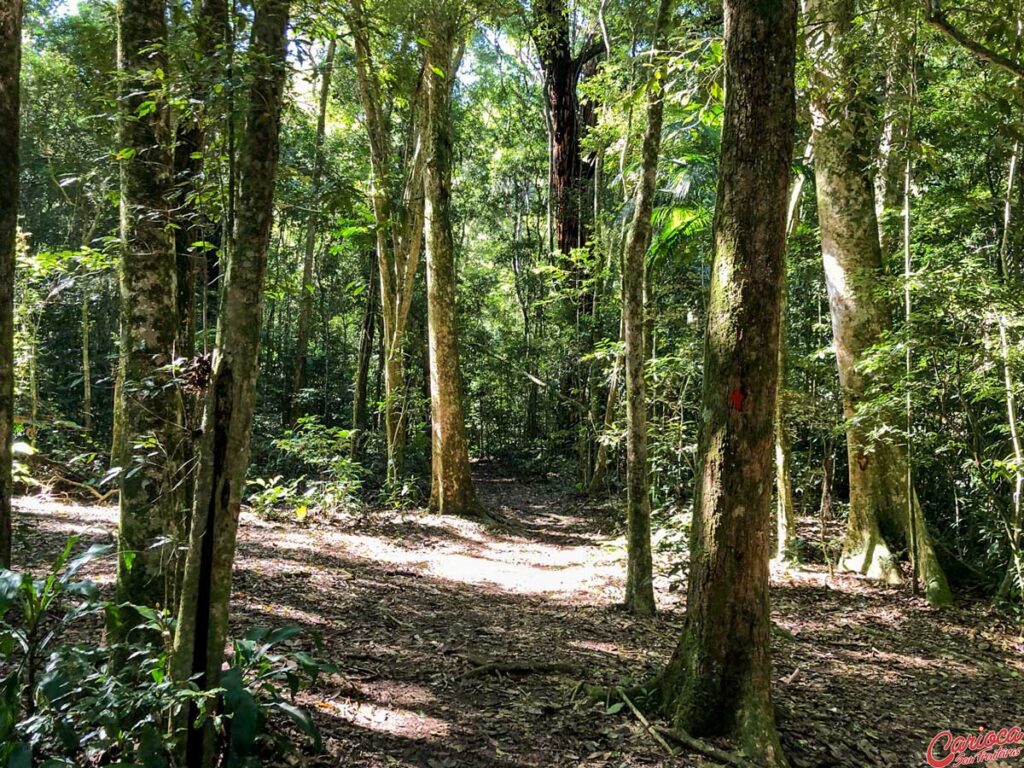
x=406, y=606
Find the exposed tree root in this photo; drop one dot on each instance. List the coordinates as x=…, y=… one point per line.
x=697, y=745
x=646, y=724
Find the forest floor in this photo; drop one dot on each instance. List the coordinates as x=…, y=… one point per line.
x=408, y=605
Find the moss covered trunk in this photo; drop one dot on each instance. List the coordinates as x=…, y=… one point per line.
x=10, y=71
x=639, y=578
x=398, y=231
x=227, y=421
x=451, y=489
x=881, y=514
x=718, y=681
x=151, y=525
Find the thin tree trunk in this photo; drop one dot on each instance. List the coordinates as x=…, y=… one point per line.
x=398, y=234
x=597, y=479
x=10, y=77
x=360, y=412
x=306, y=296
x=639, y=576
x=86, y=369
x=880, y=512
x=224, y=445
x=151, y=520
x=451, y=490
x=719, y=680
x=785, y=509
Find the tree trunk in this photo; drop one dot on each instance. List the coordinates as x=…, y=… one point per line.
x=151, y=520
x=880, y=512
x=597, y=479
x=224, y=445
x=786, y=550
x=306, y=297
x=360, y=412
x=451, y=490
x=86, y=369
x=10, y=77
x=718, y=682
x=213, y=34
x=398, y=234
x=639, y=577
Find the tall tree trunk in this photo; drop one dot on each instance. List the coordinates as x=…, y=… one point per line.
x=227, y=422
x=360, y=411
x=306, y=297
x=639, y=577
x=880, y=512
x=719, y=679
x=785, y=509
x=570, y=189
x=205, y=71
x=151, y=520
x=399, y=234
x=10, y=78
x=451, y=490
x=193, y=137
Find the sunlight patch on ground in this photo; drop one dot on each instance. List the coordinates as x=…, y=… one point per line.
x=593, y=645
x=395, y=721
x=535, y=569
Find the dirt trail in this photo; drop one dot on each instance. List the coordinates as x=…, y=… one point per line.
x=408, y=603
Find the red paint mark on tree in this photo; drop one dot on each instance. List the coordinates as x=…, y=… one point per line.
x=736, y=398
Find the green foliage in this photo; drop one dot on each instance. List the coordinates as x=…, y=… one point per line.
x=67, y=702
x=325, y=480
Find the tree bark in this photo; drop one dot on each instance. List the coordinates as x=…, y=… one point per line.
x=639, y=576
x=880, y=512
x=451, y=490
x=151, y=526
x=399, y=233
x=360, y=412
x=227, y=423
x=212, y=32
x=10, y=79
x=786, y=550
x=306, y=298
x=718, y=681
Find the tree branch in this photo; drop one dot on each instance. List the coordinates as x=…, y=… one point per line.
x=937, y=18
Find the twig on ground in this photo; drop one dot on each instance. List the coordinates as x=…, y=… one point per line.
x=647, y=726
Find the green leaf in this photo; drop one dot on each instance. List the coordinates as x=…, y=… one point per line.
x=437, y=71
x=614, y=708
x=20, y=757
x=301, y=719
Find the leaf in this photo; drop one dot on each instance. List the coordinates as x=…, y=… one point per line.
x=302, y=719
x=20, y=757
x=437, y=71
x=614, y=708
